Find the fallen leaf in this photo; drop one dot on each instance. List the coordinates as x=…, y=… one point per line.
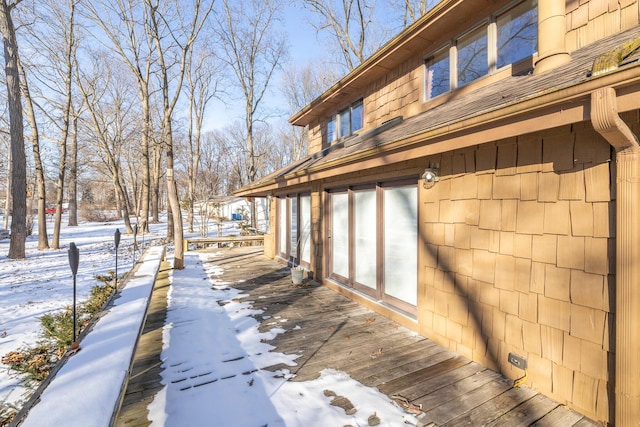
x=376, y=354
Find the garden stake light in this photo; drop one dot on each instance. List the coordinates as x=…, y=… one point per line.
x=116, y=239
x=74, y=259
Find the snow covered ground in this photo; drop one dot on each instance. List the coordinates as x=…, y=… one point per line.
x=42, y=283
x=213, y=352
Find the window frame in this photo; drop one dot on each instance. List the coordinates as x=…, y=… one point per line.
x=443, y=52
x=336, y=130
x=491, y=30
x=292, y=252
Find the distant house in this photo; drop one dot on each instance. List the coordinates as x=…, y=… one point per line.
x=231, y=208
x=478, y=180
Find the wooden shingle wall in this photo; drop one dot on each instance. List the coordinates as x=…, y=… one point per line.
x=398, y=93
x=589, y=21
x=519, y=256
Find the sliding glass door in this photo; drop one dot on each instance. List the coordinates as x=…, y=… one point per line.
x=373, y=240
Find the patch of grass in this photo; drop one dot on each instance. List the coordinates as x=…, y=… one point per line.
x=7, y=413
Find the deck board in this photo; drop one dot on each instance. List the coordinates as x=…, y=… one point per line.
x=328, y=330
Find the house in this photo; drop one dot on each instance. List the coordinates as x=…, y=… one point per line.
x=478, y=180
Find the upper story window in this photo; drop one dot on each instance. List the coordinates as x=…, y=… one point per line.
x=472, y=56
x=517, y=33
x=504, y=39
x=346, y=122
x=438, y=70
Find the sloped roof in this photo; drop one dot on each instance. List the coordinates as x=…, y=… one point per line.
x=514, y=98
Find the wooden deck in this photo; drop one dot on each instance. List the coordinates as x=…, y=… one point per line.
x=334, y=332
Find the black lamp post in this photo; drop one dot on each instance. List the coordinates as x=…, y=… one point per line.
x=116, y=239
x=74, y=260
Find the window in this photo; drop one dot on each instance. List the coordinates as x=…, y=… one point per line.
x=282, y=224
x=305, y=229
x=438, y=75
x=293, y=227
x=346, y=122
x=472, y=56
x=506, y=38
x=517, y=33
x=331, y=129
x=357, y=118
x=373, y=241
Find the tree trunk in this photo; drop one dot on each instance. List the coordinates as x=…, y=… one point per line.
x=174, y=205
x=18, y=158
x=73, y=176
x=7, y=199
x=155, y=195
x=43, y=239
x=66, y=114
x=146, y=164
x=55, y=243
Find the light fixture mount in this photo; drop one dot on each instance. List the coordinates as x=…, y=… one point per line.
x=430, y=177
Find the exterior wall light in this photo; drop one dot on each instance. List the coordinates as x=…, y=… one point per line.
x=430, y=177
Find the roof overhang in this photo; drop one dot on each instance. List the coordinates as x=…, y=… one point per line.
x=428, y=33
x=561, y=106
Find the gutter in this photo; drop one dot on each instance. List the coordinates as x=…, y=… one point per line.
x=607, y=122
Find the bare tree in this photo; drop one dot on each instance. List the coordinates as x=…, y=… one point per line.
x=350, y=24
x=202, y=83
x=172, y=47
x=43, y=239
x=300, y=86
x=69, y=58
x=253, y=49
x=56, y=44
x=412, y=9
x=72, y=193
x=106, y=100
x=18, y=158
x=124, y=23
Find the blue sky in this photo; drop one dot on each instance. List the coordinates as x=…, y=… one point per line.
x=304, y=46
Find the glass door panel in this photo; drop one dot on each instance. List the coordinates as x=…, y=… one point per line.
x=401, y=243
x=293, y=232
x=305, y=229
x=340, y=234
x=365, y=238
x=282, y=225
